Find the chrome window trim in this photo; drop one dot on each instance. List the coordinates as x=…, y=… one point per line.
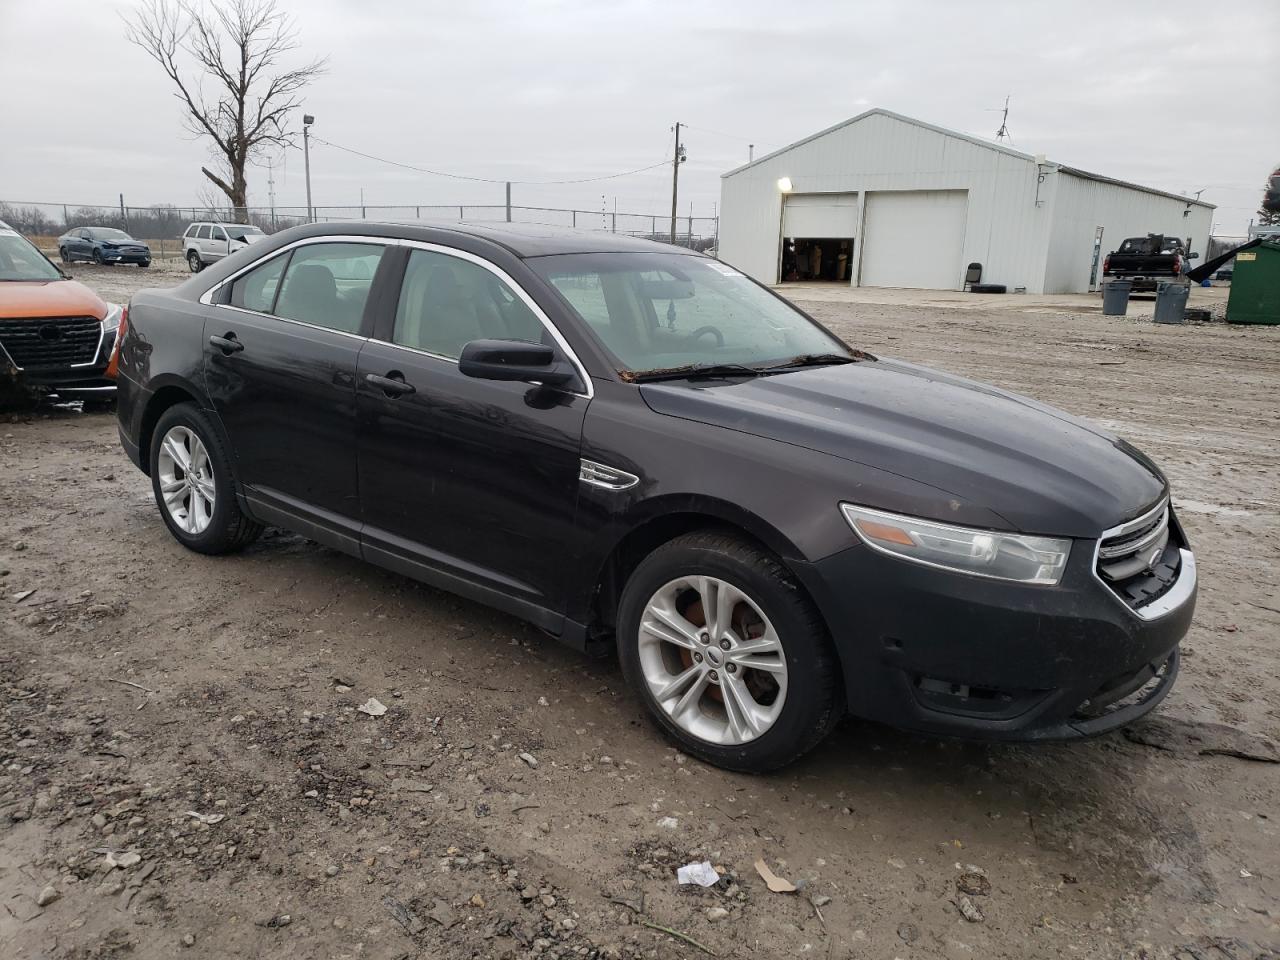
x=1171, y=599
x=300, y=323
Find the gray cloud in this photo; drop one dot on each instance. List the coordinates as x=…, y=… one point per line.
x=1167, y=96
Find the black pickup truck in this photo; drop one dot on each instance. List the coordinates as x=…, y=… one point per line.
x=1148, y=260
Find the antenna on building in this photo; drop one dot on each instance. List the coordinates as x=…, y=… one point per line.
x=1003, y=133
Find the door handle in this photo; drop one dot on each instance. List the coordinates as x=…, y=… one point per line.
x=392, y=384
x=228, y=344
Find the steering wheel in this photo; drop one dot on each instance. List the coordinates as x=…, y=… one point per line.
x=714, y=331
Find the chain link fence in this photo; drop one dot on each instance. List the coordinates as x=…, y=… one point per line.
x=161, y=225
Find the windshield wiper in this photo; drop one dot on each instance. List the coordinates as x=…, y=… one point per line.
x=694, y=371
x=812, y=360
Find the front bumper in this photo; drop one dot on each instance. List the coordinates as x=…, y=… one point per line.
x=944, y=653
x=126, y=256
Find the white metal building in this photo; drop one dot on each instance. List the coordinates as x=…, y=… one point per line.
x=886, y=201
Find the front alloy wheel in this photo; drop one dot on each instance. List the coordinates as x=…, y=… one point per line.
x=728, y=653
x=712, y=660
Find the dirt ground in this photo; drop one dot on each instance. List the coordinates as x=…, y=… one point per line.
x=185, y=771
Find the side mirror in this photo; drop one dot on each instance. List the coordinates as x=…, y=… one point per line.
x=1193, y=256
x=514, y=360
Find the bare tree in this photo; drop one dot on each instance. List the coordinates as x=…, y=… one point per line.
x=236, y=47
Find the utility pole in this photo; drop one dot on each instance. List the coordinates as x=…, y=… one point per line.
x=307, y=121
x=271, y=192
x=676, y=160
x=751, y=152
x=124, y=221
x=362, y=213
x=508, y=201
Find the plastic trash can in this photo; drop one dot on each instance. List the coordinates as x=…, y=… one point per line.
x=1115, y=298
x=1171, y=302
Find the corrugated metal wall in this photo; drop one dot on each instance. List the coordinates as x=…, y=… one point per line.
x=1082, y=205
x=1045, y=246
x=1005, y=231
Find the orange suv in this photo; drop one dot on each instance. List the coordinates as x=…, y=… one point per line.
x=56, y=335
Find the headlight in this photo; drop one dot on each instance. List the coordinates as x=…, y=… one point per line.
x=112, y=320
x=984, y=553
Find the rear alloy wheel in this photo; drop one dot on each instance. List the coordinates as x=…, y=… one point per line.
x=193, y=261
x=729, y=655
x=192, y=483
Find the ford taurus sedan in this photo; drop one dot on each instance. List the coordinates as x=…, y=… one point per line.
x=636, y=447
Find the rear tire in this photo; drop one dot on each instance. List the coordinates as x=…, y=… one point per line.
x=764, y=601
x=222, y=529
x=144, y=263
x=193, y=261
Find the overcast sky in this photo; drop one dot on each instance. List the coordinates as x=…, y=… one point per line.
x=1178, y=95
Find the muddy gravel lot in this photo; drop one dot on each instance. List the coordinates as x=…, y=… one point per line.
x=186, y=772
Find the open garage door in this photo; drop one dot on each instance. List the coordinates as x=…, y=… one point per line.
x=820, y=215
x=915, y=238
x=818, y=232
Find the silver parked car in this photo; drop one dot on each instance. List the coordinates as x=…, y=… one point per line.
x=207, y=241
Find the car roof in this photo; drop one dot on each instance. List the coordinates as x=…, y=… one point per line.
x=522, y=239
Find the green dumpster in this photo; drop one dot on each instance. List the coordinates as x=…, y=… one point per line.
x=1255, y=285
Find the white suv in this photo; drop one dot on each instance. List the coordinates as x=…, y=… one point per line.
x=208, y=240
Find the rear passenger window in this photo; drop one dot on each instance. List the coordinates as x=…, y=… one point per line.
x=206, y=232
x=446, y=302
x=327, y=284
x=256, y=290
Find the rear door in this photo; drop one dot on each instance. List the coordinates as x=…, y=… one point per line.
x=280, y=368
x=471, y=484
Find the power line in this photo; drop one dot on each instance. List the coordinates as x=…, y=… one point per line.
x=461, y=176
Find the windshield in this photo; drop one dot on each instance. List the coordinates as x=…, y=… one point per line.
x=239, y=233
x=19, y=260
x=108, y=233
x=658, y=311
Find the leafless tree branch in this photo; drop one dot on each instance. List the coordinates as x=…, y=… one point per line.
x=238, y=48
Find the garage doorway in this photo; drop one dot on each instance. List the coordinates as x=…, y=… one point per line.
x=818, y=237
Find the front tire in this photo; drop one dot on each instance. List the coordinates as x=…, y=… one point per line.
x=193, y=261
x=729, y=655
x=62, y=255
x=97, y=258
x=193, y=487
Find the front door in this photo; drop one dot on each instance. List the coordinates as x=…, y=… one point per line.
x=471, y=484
x=280, y=368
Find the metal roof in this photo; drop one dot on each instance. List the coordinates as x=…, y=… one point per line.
x=1073, y=171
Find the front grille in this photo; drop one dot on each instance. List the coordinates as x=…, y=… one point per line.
x=37, y=343
x=1139, y=560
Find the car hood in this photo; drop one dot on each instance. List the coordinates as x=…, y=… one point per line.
x=49, y=298
x=1042, y=470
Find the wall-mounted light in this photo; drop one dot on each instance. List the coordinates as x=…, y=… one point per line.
x=784, y=184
